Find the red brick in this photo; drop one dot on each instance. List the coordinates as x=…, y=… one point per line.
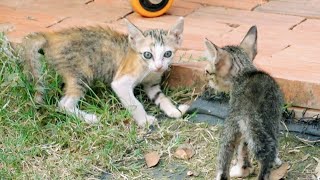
x=236, y=4
x=297, y=70
x=301, y=93
x=23, y=22
x=308, y=8
x=287, y=64
x=303, y=112
x=101, y=10
x=31, y=16
x=241, y=17
x=165, y=21
x=74, y=22
x=188, y=56
x=183, y=8
x=228, y=26
x=15, y=16
x=310, y=25
x=189, y=75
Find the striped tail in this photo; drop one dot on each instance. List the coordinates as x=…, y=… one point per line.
x=31, y=46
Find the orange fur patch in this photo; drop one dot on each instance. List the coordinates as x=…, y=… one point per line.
x=132, y=65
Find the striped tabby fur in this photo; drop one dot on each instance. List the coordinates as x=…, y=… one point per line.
x=255, y=108
x=82, y=55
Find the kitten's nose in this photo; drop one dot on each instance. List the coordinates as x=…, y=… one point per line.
x=158, y=67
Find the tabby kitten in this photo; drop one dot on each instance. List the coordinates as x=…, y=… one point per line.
x=82, y=55
x=255, y=108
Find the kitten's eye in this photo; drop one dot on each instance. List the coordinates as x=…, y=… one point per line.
x=167, y=54
x=147, y=55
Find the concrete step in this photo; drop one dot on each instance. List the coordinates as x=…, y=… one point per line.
x=305, y=8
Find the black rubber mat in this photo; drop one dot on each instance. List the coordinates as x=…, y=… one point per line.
x=213, y=109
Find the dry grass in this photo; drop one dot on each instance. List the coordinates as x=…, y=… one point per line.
x=46, y=144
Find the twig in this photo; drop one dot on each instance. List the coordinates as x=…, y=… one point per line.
x=307, y=141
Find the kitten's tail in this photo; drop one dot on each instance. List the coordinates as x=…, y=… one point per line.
x=30, y=54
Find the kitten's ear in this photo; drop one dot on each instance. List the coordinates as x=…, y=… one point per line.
x=213, y=51
x=219, y=59
x=177, y=30
x=135, y=34
x=249, y=42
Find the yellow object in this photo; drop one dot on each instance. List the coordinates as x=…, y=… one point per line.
x=151, y=8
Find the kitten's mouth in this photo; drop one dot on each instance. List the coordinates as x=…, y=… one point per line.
x=159, y=70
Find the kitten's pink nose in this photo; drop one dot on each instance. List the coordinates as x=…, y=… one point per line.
x=159, y=67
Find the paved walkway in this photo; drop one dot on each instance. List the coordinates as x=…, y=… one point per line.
x=288, y=30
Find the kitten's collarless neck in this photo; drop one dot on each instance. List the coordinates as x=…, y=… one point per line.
x=245, y=72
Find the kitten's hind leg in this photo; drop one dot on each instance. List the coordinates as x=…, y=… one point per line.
x=264, y=148
x=243, y=166
x=69, y=102
x=230, y=139
x=277, y=161
x=265, y=169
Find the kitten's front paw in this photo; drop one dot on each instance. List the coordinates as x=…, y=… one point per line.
x=90, y=118
x=177, y=113
x=183, y=108
x=174, y=113
x=238, y=172
x=149, y=120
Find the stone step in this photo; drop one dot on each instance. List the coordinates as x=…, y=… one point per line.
x=297, y=93
x=244, y=4
x=183, y=8
x=304, y=8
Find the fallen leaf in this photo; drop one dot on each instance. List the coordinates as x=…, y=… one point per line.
x=279, y=173
x=152, y=158
x=184, y=151
x=317, y=170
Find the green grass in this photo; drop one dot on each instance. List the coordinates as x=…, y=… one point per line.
x=42, y=143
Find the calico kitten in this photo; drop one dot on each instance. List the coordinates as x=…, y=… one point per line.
x=255, y=108
x=81, y=55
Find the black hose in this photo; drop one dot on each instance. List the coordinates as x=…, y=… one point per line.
x=213, y=110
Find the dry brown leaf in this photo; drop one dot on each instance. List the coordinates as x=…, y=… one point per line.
x=152, y=158
x=279, y=173
x=317, y=170
x=184, y=151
